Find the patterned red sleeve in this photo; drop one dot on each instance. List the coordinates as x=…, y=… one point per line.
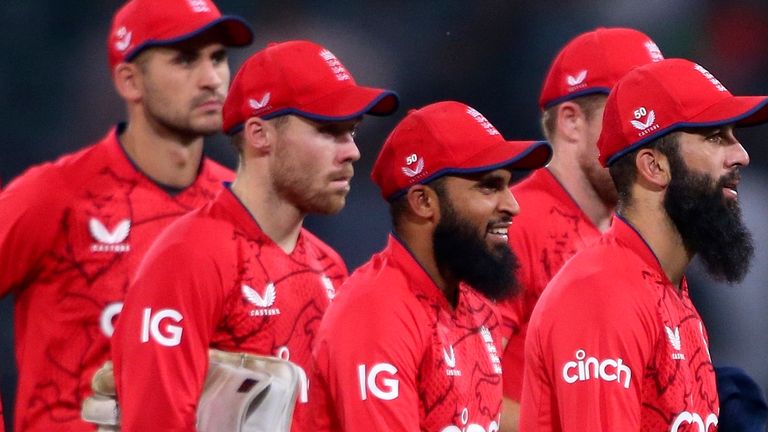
x=585, y=357
x=160, y=346
x=367, y=358
x=30, y=213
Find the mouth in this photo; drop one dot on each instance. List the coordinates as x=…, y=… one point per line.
x=730, y=190
x=211, y=105
x=342, y=181
x=498, y=232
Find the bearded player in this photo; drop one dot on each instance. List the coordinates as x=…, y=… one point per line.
x=615, y=342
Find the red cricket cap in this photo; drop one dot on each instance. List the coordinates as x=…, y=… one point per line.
x=142, y=24
x=659, y=98
x=448, y=138
x=301, y=78
x=594, y=61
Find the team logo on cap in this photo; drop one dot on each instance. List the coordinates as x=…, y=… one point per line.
x=715, y=82
x=259, y=104
x=647, y=126
x=337, y=68
x=410, y=160
x=123, y=37
x=199, y=6
x=576, y=80
x=654, y=51
x=483, y=121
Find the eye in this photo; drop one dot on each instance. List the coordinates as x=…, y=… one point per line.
x=219, y=57
x=185, y=58
x=715, y=137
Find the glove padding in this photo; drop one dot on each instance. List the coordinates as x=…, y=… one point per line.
x=242, y=393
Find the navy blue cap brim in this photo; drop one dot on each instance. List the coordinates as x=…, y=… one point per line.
x=752, y=117
x=384, y=104
x=238, y=33
x=536, y=156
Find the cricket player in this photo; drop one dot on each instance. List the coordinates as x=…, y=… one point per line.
x=242, y=274
x=615, y=343
x=567, y=205
x=412, y=340
x=72, y=231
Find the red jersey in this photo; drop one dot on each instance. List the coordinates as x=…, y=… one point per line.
x=392, y=355
x=72, y=232
x=549, y=230
x=613, y=345
x=215, y=279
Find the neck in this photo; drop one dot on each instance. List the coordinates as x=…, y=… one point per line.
x=165, y=158
x=575, y=182
x=658, y=230
x=280, y=220
x=420, y=246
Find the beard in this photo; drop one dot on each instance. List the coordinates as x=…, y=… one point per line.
x=460, y=251
x=709, y=224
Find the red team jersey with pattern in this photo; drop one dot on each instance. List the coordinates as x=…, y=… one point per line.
x=72, y=232
x=613, y=345
x=215, y=279
x=549, y=230
x=392, y=355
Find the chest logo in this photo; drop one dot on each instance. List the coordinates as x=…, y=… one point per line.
x=673, y=335
x=330, y=290
x=491, y=347
x=109, y=240
x=263, y=302
x=449, y=356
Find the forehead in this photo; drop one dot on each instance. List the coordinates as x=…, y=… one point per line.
x=210, y=41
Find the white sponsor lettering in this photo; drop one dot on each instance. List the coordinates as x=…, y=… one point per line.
x=283, y=353
x=686, y=417
x=151, y=326
x=107, y=318
x=471, y=427
x=368, y=382
x=586, y=368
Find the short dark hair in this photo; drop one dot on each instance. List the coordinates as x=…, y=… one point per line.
x=399, y=205
x=624, y=171
x=589, y=104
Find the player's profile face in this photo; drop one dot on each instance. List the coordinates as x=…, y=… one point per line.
x=703, y=204
x=313, y=163
x=184, y=86
x=470, y=240
x=598, y=176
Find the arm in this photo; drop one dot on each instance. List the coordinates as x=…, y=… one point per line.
x=29, y=221
x=160, y=346
x=586, y=352
x=367, y=360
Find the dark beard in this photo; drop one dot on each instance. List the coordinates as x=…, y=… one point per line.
x=463, y=254
x=709, y=225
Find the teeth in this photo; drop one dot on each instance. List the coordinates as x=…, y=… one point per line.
x=498, y=231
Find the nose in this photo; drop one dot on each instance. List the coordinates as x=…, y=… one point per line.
x=213, y=74
x=738, y=156
x=508, y=204
x=349, y=152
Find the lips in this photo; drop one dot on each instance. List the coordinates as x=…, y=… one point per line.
x=499, y=230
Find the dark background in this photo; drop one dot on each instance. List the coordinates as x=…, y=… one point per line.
x=57, y=97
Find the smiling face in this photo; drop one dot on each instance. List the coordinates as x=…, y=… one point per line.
x=702, y=200
x=183, y=86
x=470, y=240
x=312, y=165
